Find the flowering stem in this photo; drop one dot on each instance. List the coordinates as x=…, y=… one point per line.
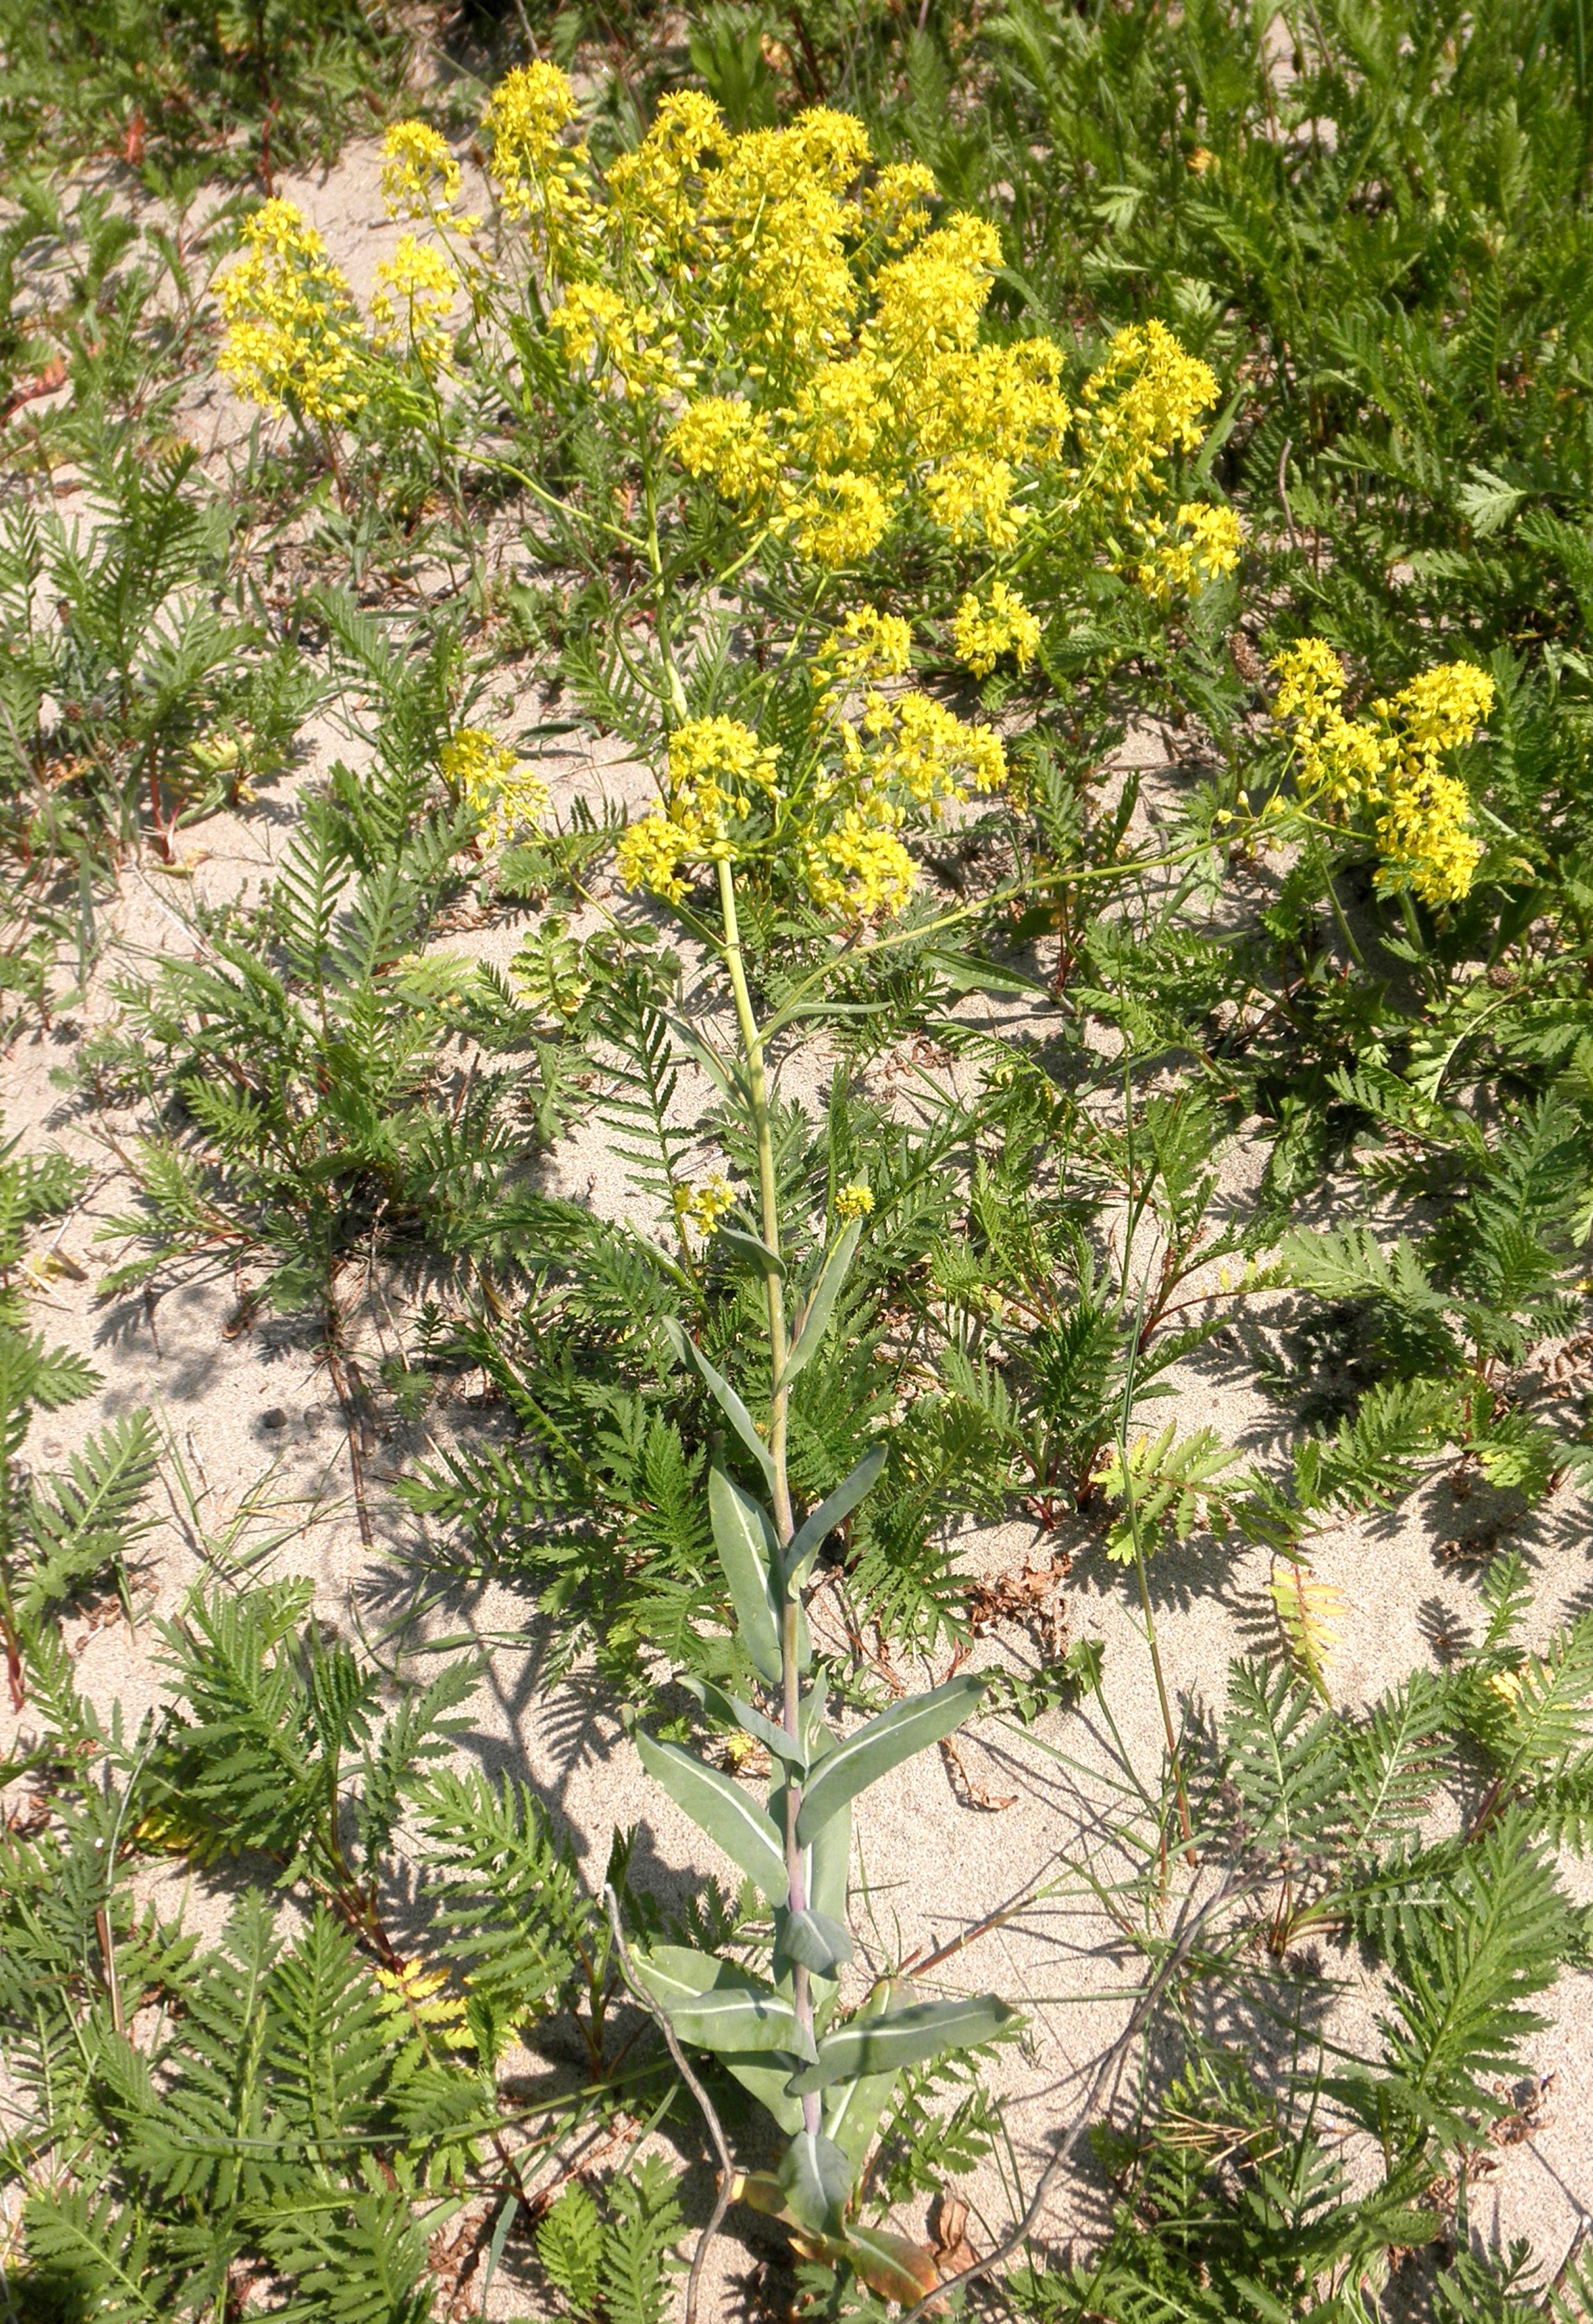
x=1344, y=928
x=767, y=1191
x=769, y=1218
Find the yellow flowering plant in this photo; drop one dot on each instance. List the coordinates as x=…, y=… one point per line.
x=295, y=342
x=829, y=822
x=485, y=774
x=1387, y=769
x=785, y=350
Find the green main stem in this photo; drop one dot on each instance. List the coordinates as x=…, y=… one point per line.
x=770, y=1216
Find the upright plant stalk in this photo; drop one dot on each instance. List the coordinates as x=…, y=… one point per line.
x=769, y=1210
x=839, y=2069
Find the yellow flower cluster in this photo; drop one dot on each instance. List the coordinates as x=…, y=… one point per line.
x=486, y=774
x=732, y=443
x=599, y=330
x=859, y=868
x=1341, y=760
x=1206, y=546
x=293, y=338
x=924, y=749
x=1390, y=764
x=703, y=1206
x=893, y=761
x=1424, y=831
x=903, y=758
x=853, y=856
x=420, y=176
x=1146, y=401
x=1000, y=622
x=853, y=1202
x=868, y=646
x=811, y=340
x=538, y=176
x=412, y=304
x=715, y=765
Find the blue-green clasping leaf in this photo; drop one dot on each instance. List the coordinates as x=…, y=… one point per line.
x=821, y=1303
x=745, y=1541
x=765, y=2078
x=964, y=972
x=751, y=1246
x=721, y=2006
x=883, y=1744
x=809, y=1536
x=851, y=2110
x=725, y=1073
x=829, y=1856
x=901, y=2038
x=814, y=1941
x=816, y=2178
x=732, y=1712
x=735, y=1410
x=726, y=1814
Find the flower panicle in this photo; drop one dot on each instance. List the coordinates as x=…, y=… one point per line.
x=1390, y=764
x=809, y=334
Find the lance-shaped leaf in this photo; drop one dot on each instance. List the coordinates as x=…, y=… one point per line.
x=741, y=1827
x=815, y=2179
x=821, y=1303
x=810, y=1535
x=889, y=2264
x=724, y=1071
x=883, y=1744
x=851, y=2110
x=964, y=972
x=753, y=1248
x=745, y=1541
x=719, y=2005
x=735, y=1411
x=734, y=1713
x=766, y=2081
x=814, y=1941
x=829, y=1861
x=814, y=1705
x=901, y=2038
x=827, y=1858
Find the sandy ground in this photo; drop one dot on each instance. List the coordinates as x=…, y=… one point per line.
x=259, y=1468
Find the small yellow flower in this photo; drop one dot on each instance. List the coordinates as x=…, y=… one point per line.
x=839, y=519
x=868, y=645
x=703, y=1206
x=1208, y=547
x=1201, y=160
x=1390, y=764
x=415, y=292
x=716, y=766
x=292, y=334
x=859, y=868
x=418, y=174
x=486, y=774
x=853, y=1202
x=1000, y=623
x=731, y=444
x=1145, y=402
